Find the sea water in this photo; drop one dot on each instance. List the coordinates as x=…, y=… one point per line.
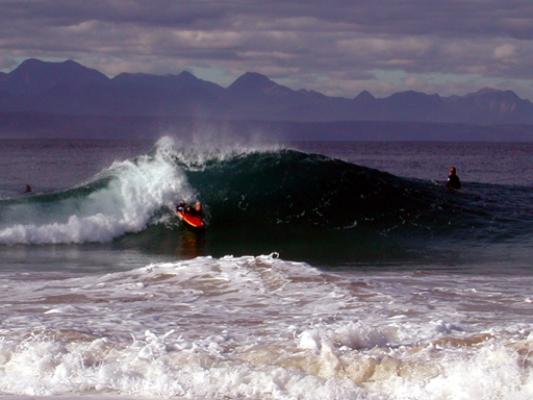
x=317, y=278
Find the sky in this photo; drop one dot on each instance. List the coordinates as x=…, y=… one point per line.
x=338, y=47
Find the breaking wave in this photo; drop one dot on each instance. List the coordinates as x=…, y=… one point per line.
x=124, y=198
x=250, y=189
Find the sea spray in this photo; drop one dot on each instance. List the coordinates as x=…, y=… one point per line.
x=131, y=194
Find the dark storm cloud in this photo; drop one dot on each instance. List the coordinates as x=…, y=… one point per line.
x=338, y=45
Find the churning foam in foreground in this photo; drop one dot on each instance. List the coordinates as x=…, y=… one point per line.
x=265, y=328
x=136, y=190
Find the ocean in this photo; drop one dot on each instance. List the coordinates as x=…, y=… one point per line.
x=328, y=270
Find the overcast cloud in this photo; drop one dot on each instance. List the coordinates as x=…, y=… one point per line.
x=338, y=46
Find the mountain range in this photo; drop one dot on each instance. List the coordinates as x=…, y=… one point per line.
x=71, y=89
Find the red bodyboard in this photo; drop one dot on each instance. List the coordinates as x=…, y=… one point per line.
x=193, y=221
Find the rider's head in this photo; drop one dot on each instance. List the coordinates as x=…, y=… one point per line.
x=198, y=206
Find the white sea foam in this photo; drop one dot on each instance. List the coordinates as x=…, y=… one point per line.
x=262, y=328
x=137, y=189
x=488, y=372
x=154, y=367
x=356, y=336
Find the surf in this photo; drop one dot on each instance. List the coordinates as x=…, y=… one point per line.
x=259, y=192
x=267, y=327
x=124, y=198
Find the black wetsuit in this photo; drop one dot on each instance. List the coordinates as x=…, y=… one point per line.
x=193, y=211
x=453, y=182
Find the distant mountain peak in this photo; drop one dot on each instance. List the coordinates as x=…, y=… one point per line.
x=414, y=96
x=187, y=75
x=252, y=81
x=365, y=95
x=28, y=65
x=487, y=90
x=34, y=76
x=507, y=95
x=72, y=62
x=31, y=61
x=254, y=76
x=43, y=69
x=32, y=64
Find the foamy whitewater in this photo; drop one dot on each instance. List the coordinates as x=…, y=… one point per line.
x=104, y=295
x=136, y=190
x=261, y=327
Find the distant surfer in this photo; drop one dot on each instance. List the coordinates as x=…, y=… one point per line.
x=28, y=189
x=454, y=183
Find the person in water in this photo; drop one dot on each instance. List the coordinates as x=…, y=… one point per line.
x=196, y=209
x=454, y=182
x=28, y=189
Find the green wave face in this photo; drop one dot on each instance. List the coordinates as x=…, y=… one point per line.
x=290, y=188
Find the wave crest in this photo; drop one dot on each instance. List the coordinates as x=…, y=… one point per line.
x=121, y=199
